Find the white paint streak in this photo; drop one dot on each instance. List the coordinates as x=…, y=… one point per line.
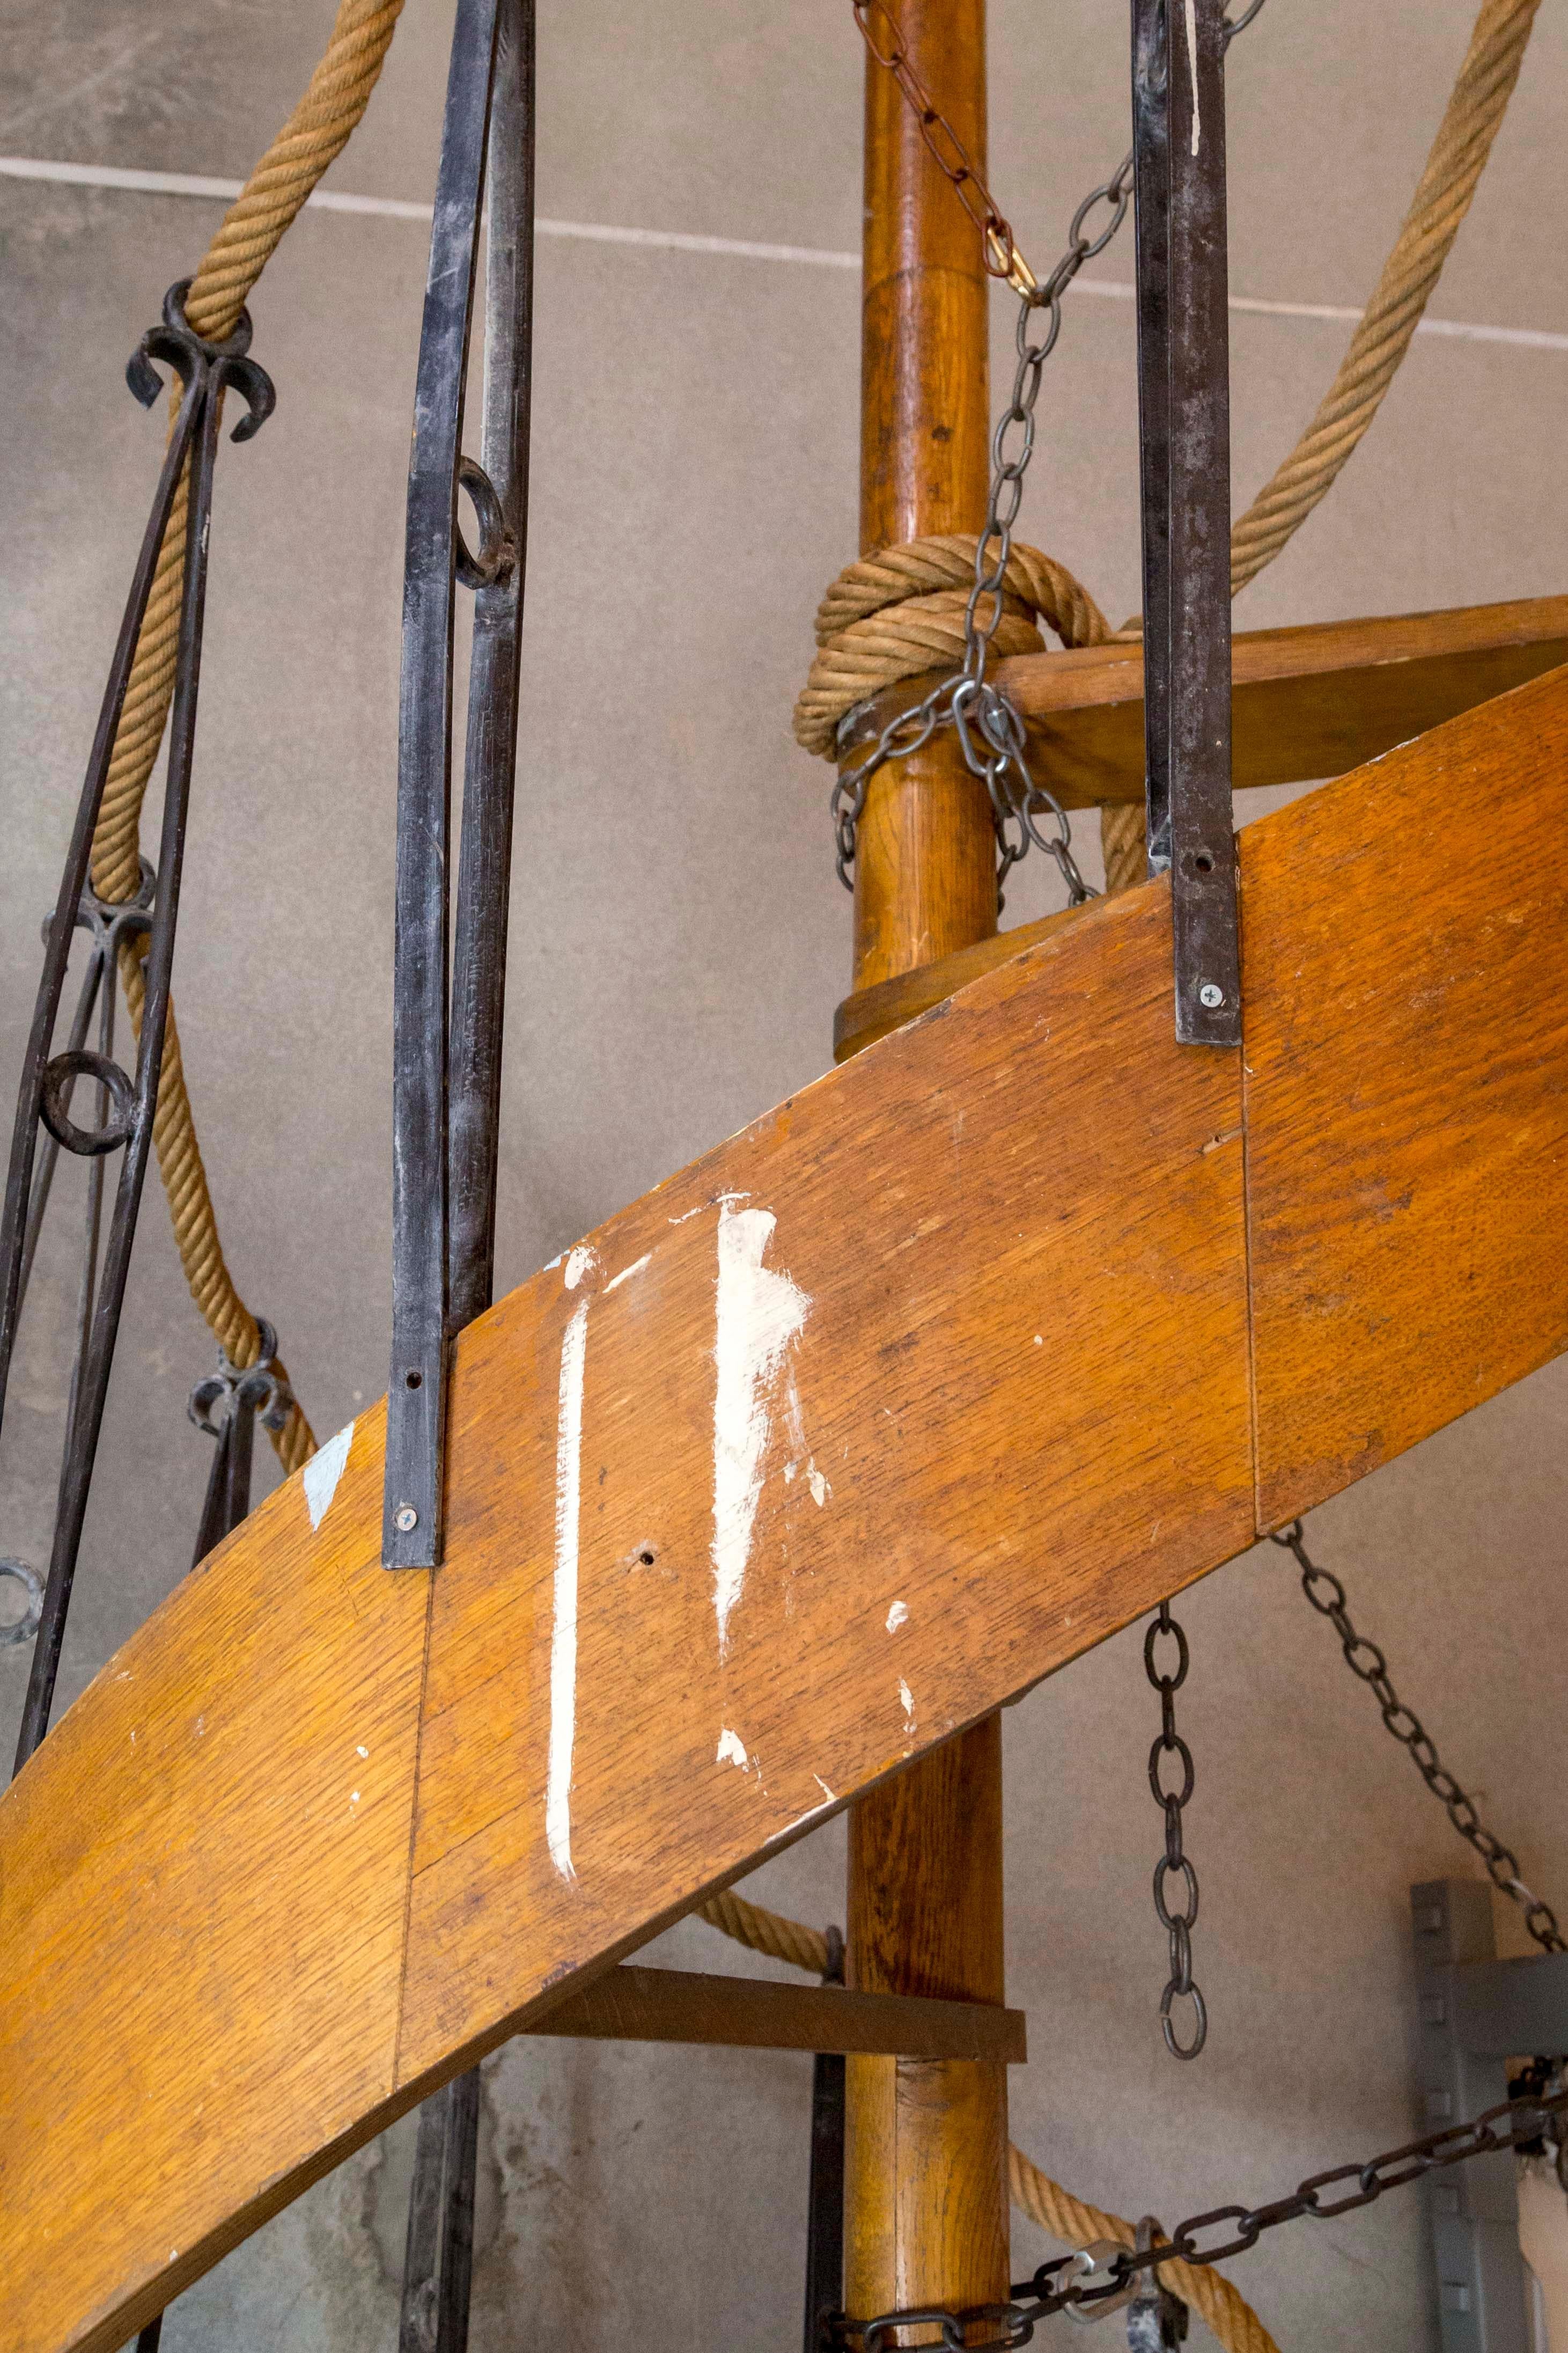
x=898, y=1615
x=907, y=1702
x=321, y=1475
x=578, y=1263
x=362, y=1752
x=564, y=1628
x=820, y=1489
x=626, y=1273
x=760, y=1313
x=1192, y=22
x=732, y=1749
x=827, y=1792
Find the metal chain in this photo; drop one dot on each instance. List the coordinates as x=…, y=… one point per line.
x=1177, y=1925
x=991, y=734
x=1363, y=1658
x=1093, y=2280
x=1001, y=255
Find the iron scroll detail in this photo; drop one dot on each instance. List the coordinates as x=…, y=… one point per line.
x=51, y=1079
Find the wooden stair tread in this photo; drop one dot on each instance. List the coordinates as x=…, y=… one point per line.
x=1083, y=1311
x=1306, y=702
x=640, y=2005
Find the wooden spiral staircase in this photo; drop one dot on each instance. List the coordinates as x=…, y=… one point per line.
x=807, y=1464
x=997, y=1413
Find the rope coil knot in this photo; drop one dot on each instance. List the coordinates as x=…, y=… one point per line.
x=902, y=611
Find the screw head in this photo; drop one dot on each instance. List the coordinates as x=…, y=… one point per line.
x=406, y=1519
x=1212, y=994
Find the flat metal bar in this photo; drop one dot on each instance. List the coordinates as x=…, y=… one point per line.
x=824, y=2192
x=484, y=875
x=436, y=2286
x=417, y=1400
x=1189, y=633
x=1151, y=210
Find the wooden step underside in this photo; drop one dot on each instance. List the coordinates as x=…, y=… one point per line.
x=910, y=1393
x=1305, y=702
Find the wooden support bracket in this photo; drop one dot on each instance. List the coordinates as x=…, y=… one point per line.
x=1305, y=703
x=637, y=2005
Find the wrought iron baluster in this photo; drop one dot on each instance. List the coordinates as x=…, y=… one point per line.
x=447, y=1061
x=205, y=370
x=1184, y=384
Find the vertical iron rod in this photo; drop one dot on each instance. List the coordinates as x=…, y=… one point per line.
x=439, y=2260
x=1178, y=65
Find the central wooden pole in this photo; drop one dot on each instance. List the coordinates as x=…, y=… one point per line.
x=926, y=2182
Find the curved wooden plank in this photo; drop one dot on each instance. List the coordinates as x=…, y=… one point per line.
x=913, y=1391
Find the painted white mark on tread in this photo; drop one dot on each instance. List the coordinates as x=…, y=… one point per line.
x=578, y=1263
x=732, y=1749
x=830, y=1796
x=898, y=1615
x=760, y=1313
x=820, y=1489
x=907, y=1702
x=321, y=1475
x=626, y=1273
x=1192, y=20
x=563, y=1627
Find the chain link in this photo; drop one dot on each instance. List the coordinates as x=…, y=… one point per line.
x=1070, y=2282
x=1365, y=1660
x=1174, y=1863
x=1000, y=253
x=991, y=734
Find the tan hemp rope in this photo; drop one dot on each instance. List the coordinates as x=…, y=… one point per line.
x=251, y=231
x=865, y=642
x=1055, y=2210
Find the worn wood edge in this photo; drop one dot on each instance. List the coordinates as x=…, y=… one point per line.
x=876, y=1012
x=630, y=2004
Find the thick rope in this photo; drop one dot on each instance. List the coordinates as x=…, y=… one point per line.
x=251, y=231
x=766, y=1932
x=1045, y=2201
x=893, y=615
x=1076, y=2225
x=1441, y=199
x=900, y=612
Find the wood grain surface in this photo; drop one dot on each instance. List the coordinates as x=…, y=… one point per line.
x=916, y=1389
x=1306, y=702
x=1407, y=1103
x=636, y=2005
x=925, y=2197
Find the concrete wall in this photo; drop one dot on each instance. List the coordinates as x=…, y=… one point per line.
x=680, y=944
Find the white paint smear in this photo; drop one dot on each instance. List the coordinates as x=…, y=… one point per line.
x=1193, y=70
x=564, y=1628
x=321, y=1475
x=898, y=1615
x=578, y=1262
x=907, y=1701
x=626, y=1273
x=820, y=1489
x=760, y=1313
x=732, y=1749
